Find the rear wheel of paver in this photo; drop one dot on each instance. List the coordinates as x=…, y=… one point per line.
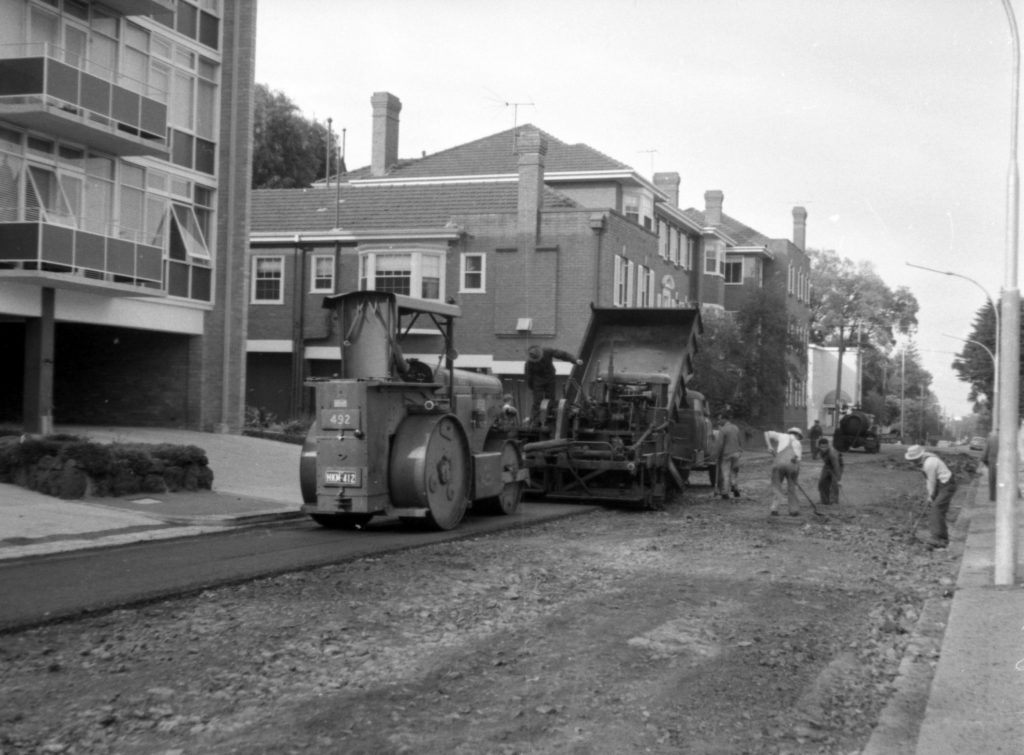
x=507, y=501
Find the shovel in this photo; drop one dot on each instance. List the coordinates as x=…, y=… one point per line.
x=920, y=516
x=813, y=507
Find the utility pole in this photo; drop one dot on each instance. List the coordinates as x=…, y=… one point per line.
x=1009, y=348
x=327, y=161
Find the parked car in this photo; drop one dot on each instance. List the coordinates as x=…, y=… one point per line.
x=977, y=443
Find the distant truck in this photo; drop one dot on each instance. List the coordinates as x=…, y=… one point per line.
x=857, y=429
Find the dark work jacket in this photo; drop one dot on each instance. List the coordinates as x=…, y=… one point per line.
x=542, y=372
x=832, y=462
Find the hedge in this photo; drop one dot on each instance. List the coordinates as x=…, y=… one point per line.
x=68, y=466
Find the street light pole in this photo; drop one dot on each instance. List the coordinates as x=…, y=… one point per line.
x=1009, y=348
x=995, y=309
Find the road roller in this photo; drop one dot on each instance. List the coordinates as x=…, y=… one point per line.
x=401, y=432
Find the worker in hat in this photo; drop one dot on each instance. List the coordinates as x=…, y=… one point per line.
x=539, y=372
x=831, y=472
x=786, y=451
x=940, y=485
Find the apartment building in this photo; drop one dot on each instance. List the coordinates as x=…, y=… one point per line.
x=125, y=159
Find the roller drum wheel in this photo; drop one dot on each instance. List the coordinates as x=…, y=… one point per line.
x=431, y=468
x=507, y=501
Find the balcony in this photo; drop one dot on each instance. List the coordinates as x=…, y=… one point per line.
x=141, y=7
x=45, y=94
x=62, y=257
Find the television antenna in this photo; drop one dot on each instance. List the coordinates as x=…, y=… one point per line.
x=650, y=152
x=515, y=121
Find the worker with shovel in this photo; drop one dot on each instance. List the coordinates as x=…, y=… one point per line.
x=940, y=485
x=786, y=450
x=831, y=473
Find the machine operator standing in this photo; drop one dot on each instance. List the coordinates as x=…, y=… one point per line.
x=539, y=372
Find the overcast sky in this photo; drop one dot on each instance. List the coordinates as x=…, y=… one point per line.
x=888, y=120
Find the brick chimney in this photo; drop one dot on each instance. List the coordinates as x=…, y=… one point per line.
x=531, y=147
x=386, y=108
x=800, y=227
x=668, y=183
x=713, y=207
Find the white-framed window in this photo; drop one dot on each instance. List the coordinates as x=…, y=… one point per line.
x=472, y=273
x=663, y=243
x=619, y=290
x=416, y=273
x=644, y=286
x=630, y=283
x=712, y=263
x=321, y=272
x=638, y=206
x=268, y=280
x=185, y=230
x=691, y=252
x=673, y=246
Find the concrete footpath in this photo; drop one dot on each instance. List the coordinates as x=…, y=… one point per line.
x=975, y=703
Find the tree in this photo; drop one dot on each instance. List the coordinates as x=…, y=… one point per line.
x=851, y=300
x=974, y=366
x=716, y=365
x=742, y=366
x=289, y=150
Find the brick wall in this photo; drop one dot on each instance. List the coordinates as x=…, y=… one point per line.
x=119, y=376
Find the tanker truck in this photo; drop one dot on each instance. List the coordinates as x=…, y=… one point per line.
x=857, y=429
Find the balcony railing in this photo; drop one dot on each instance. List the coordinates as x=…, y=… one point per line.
x=45, y=88
x=141, y=7
x=51, y=248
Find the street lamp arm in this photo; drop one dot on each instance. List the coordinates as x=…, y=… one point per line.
x=991, y=301
x=976, y=343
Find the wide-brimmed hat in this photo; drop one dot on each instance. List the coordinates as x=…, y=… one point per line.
x=534, y=353
x=796, y=431
x=914, y=453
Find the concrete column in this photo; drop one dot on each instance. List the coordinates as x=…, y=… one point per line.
x=37, y=406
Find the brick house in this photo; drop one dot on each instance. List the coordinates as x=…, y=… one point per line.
x=125, y=162
x=751, y=261
x=522, y=230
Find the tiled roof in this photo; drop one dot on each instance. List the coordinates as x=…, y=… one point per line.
x=495, y=155
x=742, y=235
x=383, y=207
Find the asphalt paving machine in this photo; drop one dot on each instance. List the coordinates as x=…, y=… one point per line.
x=626, y=429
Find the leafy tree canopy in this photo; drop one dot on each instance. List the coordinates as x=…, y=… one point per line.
x=848, y=297
x=289, y=150
x=742, y=366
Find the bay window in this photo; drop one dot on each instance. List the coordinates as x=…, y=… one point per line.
x=415, y=273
